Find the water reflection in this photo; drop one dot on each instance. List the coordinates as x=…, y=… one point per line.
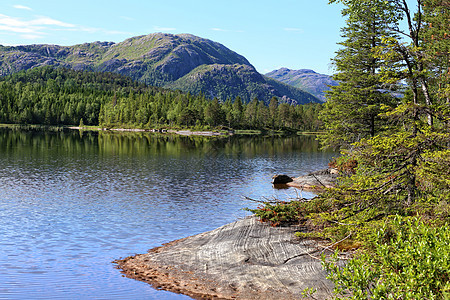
x=71, y=203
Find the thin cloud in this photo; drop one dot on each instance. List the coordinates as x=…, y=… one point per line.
x=219, y=29
x=18, y=6
x=158, y=28
x=39, y=26
x=225, y=30
x=8, y=44
x=92, y=30
x=15, y=29
x=49, y=21
x=31, y=36
x=9, y=21
x=127, y=18
x=17, y=25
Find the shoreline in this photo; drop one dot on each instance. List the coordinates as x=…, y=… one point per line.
x=179, y=132
x=316, y=181
x=245, y=259
x=185, y=132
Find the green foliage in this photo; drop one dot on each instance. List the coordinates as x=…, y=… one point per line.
x=58, y=96
x=185, y=62
x=64, y=97
x=436, y=14
x=353, y=108
x=402, y=169
x=392, y=199
x=280, y=213
x=405, y=259
x=308, y=292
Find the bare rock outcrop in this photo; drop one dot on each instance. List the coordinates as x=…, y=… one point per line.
x=318, y=180
x=242, y=260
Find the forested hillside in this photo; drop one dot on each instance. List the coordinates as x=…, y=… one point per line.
x=183, y=61
x=61, y=96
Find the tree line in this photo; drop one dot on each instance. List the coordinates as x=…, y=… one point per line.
x=57, y=96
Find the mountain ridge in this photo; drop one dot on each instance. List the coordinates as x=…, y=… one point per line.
x=308, y=80
x=159, y=59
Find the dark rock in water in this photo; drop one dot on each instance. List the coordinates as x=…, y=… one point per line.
x=281, y=179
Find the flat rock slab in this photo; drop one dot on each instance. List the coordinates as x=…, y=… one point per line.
x=318, y=180
x=242, y=260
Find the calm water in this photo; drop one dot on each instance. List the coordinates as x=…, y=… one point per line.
x=71, y=203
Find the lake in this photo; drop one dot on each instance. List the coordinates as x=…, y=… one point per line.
x=72, y=202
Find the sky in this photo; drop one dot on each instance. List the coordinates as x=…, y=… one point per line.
x=296, y=34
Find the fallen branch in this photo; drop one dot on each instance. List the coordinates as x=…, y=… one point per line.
x=318, y=180
x=334, y=244
x=275, y=201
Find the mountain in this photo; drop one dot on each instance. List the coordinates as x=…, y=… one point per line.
x=181, y=61
x=223, y=81
x=307, y=80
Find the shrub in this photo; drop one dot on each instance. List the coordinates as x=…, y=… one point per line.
x=278, y=213
x=405, y=259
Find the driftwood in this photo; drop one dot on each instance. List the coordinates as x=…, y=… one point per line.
x=245, y=260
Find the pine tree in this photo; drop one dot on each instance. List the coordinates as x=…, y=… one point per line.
x=273, y=106
x=353, y=107
x=237, y=112
x=214, y=115
x=436, y=36
x=391, y=163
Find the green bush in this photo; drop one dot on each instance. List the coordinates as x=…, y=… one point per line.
x=279, y=213
x=406, y=259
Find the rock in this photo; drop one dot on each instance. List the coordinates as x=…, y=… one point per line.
x=246, y=259
x=281, y=179
x=317, y=180
x=334, y=171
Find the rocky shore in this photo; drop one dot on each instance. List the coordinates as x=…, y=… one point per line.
x=317, y=181
x=246, y=259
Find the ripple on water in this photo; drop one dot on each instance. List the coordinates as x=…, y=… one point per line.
x=66, y=211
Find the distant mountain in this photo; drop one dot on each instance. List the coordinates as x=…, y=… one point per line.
x=307, y=80
x=223, y=81
x=183, y=61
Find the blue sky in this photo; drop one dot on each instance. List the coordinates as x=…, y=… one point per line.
x=297, y=34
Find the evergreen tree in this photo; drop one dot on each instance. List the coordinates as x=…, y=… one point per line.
x=237, y=112
x=403, y=171
x=273, y=106
x=262, y=115
x=250, y=114
x=436, y=14
x=214, y=115
x=353, y=106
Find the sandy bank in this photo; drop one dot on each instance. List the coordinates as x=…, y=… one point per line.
x=245, y=260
